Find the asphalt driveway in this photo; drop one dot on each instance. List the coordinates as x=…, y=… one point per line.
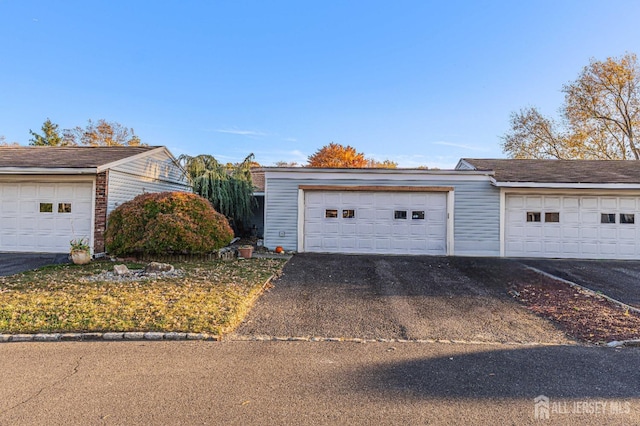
x=397, y=297
x=13, y=263
x=619, y=279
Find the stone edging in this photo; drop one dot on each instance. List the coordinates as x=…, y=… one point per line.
x=109, y=336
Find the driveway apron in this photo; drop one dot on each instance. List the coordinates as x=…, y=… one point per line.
x=397, y=297
x=13, y=263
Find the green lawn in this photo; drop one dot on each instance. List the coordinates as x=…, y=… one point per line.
x=211, y=297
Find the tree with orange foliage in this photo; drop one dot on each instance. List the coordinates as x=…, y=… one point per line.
x=335, y=155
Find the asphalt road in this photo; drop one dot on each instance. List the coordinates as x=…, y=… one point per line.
x=304, y=383
x=398, y=297
x=13, y=263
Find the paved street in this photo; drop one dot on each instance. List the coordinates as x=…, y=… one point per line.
x=261, y=383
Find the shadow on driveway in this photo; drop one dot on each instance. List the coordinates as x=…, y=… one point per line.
x=398, y=297
x=615, y=278
x=13, y=263
x=554, y=371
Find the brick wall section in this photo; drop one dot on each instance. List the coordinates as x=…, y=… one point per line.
x=101, y=211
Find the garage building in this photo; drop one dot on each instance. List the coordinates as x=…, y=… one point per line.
x=51, y=195
x=485, y=207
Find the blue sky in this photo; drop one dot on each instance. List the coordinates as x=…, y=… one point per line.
x=417, y=82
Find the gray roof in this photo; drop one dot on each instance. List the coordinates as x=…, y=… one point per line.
x=66, y=157
x=560, y=171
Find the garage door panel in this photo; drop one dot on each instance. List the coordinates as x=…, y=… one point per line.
x=579, y=232
x=374, y=229
x=23, y=227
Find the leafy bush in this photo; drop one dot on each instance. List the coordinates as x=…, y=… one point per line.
x=166, y=222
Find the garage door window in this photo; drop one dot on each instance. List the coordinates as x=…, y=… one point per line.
x=46, y=207
x=400, y=214
x=348, y=214
x=331, y=213
x=64, y=207
x=417, y=215
x=534, y=216
x=608, y=218
x=627, y=218
x=552, y=217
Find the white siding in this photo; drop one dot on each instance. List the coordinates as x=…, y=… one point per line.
x=156, y=172
x=476, y=210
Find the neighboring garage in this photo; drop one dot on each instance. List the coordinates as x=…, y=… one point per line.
x=572, y=226
x=42, y=216
x=485, y=207
x=567, y=208
x=396, y=221
x=51, y=195
x=382, y=211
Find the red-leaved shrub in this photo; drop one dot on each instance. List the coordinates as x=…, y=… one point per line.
x=165, y=223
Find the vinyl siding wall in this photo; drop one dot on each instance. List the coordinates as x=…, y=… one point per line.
x=476, y=211
x=153, y=173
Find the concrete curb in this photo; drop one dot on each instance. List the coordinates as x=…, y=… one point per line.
x=107, y=337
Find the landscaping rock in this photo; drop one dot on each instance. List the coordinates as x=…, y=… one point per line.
x=4, y=337
x=152, y=335
x=120, y=270
x=134, y=335
x=22, y=338
x=158, y=268
x=46, y=337
x=92, y=336
x=70, y=337
x=175, y=336
x=113, y=336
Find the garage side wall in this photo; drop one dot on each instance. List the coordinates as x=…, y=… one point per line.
x=154, y=173
x=476, y=211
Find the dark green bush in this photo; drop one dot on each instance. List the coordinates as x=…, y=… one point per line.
x=166, y=223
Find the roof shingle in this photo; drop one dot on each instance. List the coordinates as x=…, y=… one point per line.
x=560, y=171
x=66, y=157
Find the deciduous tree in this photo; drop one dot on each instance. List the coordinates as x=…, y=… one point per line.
x=337, y=156
x=600, y=118
x=105, y=133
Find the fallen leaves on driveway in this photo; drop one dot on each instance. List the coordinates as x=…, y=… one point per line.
x=585, y=316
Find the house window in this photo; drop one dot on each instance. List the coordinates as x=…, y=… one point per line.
x=533, y=216
x=552, y=217
x=417, y=214
x=331, y=213
x=608, y=218
x=64, y=207
x=348, y=214
x=400, y=214
x=46, y=207
x=627, y=218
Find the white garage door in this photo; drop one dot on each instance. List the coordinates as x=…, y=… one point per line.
x=591, y=227
x=44, y=217
x=375, y=222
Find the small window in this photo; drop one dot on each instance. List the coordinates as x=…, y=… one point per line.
x=552, y=217
x=348, y=214
x=331, y=213
x=46, y=207
x=607, y=218
x=417, y=214
x=627, y=218
x=400, y=214
x=64, y=207
x=533, y=216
